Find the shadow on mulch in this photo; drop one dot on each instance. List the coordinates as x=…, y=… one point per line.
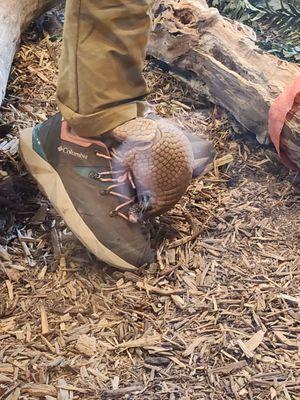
x=18, y=204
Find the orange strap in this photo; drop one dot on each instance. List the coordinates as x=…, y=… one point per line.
x=277, y=116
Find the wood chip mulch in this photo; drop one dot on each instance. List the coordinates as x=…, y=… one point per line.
x=216, y=317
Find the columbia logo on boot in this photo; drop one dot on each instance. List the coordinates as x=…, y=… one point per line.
x=70, y=152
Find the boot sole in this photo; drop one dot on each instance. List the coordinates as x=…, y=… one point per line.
x=52, y=186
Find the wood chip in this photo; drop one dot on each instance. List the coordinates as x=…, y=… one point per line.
x=44, y=321
x=123, y=391
x=255, y=340
x=4, y=254
x=192, y=346
x=39, y=390
x=86, y=345
x=229, y=368
x=10, y=290
x=285, y=340
x=142, y=342
x=164, y=292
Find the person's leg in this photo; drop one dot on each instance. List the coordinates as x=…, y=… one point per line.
x=100, y=83
x=100, y=192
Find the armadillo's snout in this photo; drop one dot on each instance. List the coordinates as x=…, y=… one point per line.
x=142, y=207
x=149, y=205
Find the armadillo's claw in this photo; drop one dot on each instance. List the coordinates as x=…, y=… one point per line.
x=116, y=211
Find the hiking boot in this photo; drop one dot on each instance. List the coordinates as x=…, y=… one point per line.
x=75, y=174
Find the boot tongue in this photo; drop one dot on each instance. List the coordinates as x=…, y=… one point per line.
x=68, y=135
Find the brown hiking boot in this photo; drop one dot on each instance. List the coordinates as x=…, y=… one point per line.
x=75, y=174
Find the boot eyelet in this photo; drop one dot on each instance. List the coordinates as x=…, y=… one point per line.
x=92, y=175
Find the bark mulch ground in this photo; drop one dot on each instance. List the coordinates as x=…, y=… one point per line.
x=216, y=317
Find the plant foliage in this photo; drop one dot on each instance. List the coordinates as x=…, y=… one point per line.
x=277, y=23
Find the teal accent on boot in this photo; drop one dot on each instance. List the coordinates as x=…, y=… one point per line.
x=36, y=142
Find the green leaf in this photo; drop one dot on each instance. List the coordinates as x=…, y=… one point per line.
x=276, y=23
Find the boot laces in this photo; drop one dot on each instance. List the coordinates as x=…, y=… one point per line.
x=117, y=178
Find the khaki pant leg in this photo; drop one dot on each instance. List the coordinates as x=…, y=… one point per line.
x=100, y=83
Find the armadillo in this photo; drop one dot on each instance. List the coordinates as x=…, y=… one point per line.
x=162, y=160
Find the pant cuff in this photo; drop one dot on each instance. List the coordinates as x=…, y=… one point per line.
x=102, y=121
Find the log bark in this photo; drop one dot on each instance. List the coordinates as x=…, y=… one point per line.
x=15, y=15
x=218, y=57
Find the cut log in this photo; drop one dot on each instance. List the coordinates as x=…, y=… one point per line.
x=15, y=15
x=218, y=58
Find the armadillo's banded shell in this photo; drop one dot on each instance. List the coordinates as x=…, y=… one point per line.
x=160, y=159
